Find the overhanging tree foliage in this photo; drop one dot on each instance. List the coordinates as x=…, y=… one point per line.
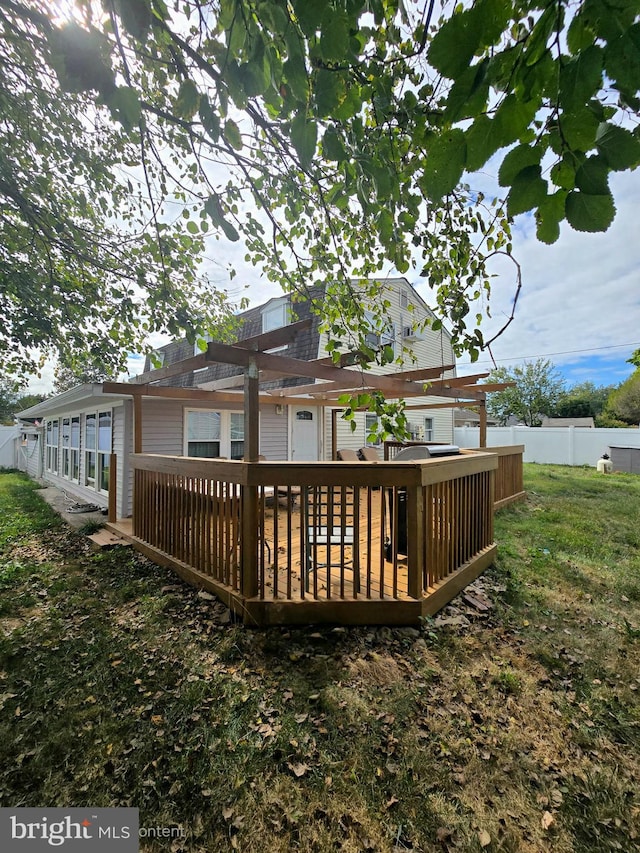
x=333, y=137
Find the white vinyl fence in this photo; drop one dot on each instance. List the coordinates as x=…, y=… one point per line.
x=553, y=445
x=8, y=436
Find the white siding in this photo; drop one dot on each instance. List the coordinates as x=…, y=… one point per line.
x=431, y=349
x=273, y=434
x=162, y=426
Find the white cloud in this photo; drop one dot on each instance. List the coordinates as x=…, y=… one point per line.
x=580, y=297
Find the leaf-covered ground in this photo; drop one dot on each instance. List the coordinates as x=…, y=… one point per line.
x=509, y=723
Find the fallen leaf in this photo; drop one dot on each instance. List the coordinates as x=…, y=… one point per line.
x=298, y=770
x=484, y=838
x=547, y=820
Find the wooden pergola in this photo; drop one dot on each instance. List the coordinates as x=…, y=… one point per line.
x=330, y=382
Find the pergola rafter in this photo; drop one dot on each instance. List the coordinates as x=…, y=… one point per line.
x=259, y=366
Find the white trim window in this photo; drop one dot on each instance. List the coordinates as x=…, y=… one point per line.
x=381, y=334
x=97, y=449
x=71, y=448
x=209, y=434
x=52, y=440
x=198, y=351
x=371, y=425
x=203, y=433
x=276, y=315
x=428, y=429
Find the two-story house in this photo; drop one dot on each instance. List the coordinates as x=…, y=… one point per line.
x=69, y=440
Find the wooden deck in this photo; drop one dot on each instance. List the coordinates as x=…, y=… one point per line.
x=421, y=531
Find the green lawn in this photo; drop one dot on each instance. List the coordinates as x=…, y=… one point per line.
x=517, y=728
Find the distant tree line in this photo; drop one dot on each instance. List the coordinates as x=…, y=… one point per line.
x=540, y=392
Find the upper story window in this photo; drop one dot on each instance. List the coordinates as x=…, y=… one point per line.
x=276, y=315
x=198, y=345
x=380, y=334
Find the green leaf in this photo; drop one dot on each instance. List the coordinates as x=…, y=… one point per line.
x=328, y=91
x=455, y=44
x=619, y=147
x=332, y=147
x=549, y=215
x=334, y=36
x=579, y=129
x=192, y=227
x=563, y=173
x=581, y=78
x=513, y=118
x=589, y=212
x=482, y=142
x=528, y=190
x=209, y=119
x=215, y=212
x=516, y=160
x=232, y=134
x=80, y=59
x=125, y=106
x=581, y=33
x=309, y=14
x=304, y=136
x=593, y=176
x=622, y=60
x=295, y=72
x=446, y=159
x=469, y=93
x=135, y=16
x=188, y=100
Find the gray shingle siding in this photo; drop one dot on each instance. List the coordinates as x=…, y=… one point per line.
x=304, y=347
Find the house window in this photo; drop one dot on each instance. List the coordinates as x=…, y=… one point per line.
x=304, y=416
x=428, y=429
x=203, y=434
x=97, y=450
x=104, y=449
x=53, y=433
x=276, y=315
x=380, y=335
x=404, y=298
x=71, y=448
x=211, y=434
x=236, y=433
x=197, y=348
x=371, y=428
x=90, y=433
x=74, y=450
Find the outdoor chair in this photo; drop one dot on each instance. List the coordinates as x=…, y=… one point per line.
x=348, y=455
x=369, y=454
x=330, y=514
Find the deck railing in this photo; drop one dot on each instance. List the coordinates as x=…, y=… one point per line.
x=509, y=476
x=404, y=537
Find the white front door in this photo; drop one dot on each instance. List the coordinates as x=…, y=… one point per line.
x=304, y=434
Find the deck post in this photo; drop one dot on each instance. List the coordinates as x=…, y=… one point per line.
x=482, y=408
x=137, y=423
x=113, y=487
x=249, y=504
x=416, y=542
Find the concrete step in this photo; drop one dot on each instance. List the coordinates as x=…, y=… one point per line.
x=107, y=539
